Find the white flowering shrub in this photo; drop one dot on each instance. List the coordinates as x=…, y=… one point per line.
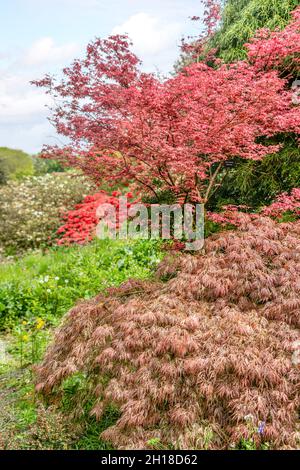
x=30, y=211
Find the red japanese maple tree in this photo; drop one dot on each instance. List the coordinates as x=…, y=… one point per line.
x=175, y=134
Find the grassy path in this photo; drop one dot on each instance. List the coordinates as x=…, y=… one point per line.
x=43, y=287
x=5, y=357
x=25, y=423
x=9, y=376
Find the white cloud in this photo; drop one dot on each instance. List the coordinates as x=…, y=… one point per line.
x=23, y=107
x=28, y=136
x=70, y=3
x=23, y=113
x=155, y=31
x=149, y=34
x=19, y=100
x=14, y=108
x=44, y=51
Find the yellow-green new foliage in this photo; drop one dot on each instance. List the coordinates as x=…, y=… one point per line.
x=14, y=164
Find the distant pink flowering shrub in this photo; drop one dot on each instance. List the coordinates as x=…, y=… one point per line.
x=230, y=215
x=206, y=349
x=277, y=49
x=284, y=203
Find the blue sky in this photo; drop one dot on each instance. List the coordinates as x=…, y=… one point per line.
x=40, y=36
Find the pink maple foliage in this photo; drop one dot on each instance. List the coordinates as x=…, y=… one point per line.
x=284, y=203
x=196, y=46
x=231, y=215
x=277, y=49
x=240, y=215
x=212, y=15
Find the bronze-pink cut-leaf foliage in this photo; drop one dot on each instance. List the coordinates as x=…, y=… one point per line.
x=216, y=343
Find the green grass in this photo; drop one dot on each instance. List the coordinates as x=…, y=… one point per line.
x=47, y=285
x=90, y=437
x=25, y=422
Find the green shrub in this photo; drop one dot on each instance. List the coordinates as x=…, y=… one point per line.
x=30, y=211
x=43, y=166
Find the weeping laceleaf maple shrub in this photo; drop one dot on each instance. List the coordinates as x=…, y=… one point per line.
x=174, y=134
x=213, y=345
